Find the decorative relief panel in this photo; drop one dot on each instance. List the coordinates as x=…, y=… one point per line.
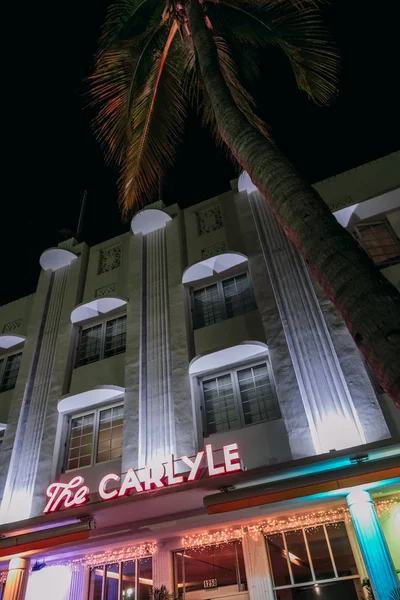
x=110, y=258
x=106, y=290
x=213, y=250
x=12, y=325
x=209, y=220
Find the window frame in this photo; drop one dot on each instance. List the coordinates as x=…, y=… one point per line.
x=232, y=371
x=314, y=580
x=4, y=358
x=120, y=564
x=358, y=230
x=103, y=333
x=96, y=410
x=221, y=297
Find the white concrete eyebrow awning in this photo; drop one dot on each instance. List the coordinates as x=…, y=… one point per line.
x=95, y=308
x=56, y=258
x=102, y=394
x=149, y=220
x=7, y=342
x=213, y=266
x=227, y=357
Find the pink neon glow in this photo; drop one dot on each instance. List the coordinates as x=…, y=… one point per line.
x=194, y=466
x=212, y=469
x=130, y=482
x=102, y=486
x=231, y=458
x=172, y=479
x=153, y=475
x=62, y=494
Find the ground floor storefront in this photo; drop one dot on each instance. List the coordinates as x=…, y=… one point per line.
x=315, y=550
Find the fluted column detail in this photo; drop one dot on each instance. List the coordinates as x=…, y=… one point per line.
x=258, y=570
x=157, y=428
x=17, y=499
x=78, y=580
x=377, y=558
x=331, y=415
x=163, y=569
x=17, y=579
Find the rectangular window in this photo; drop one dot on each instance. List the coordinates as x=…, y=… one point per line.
x=240, y=397
x=95, y=437
x=311, y=560
x=223, y=300
x=9, y=372
x=101, y=341
x=210, y=567
x=128, y=580
x=380, y=241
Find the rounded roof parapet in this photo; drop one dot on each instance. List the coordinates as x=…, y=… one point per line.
x=149, y=220
x=9, y=341
x=98, y=395
x=95, y=308
x=56, y=258
x=213, y=266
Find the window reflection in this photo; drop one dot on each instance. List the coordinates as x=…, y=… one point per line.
x=129, y=580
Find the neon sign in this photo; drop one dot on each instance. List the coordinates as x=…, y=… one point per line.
x=157, y=475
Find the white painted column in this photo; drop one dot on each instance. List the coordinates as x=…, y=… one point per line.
x=258, y=569
x=78, y=584
x=331, y=414
x=156, y=410
x=17, y=579
x=163, y=572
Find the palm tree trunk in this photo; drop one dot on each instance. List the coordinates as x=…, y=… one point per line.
x=368, y=303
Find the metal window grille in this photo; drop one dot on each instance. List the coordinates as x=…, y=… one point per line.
x=95, y=437
x=311, y=555
x=380, y=241
x=239, y=397
x=223, y=300
x=9, y=372
x=101, y=341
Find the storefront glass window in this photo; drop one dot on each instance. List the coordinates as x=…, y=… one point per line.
x=314, y=563
x=128, y=580
x=210, y=567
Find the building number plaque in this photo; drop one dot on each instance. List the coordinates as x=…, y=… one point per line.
x=210, y=583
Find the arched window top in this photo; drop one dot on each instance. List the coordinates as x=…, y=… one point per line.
x=56, y=258
x=7, y=342
x=216, y=265
x=227, y=357
x=95, y=309
x=103, y=394
x=149, y=220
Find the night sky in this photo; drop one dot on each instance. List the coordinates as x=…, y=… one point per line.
x=51, y=156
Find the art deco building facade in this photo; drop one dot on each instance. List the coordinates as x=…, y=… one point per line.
x=182, y=406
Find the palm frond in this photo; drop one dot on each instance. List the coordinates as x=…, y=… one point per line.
x=298, y=31
x=127, y=19
x=156, y=124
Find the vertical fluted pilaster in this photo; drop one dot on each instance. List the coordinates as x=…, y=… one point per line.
x=331, y=415
x=157, y=430
x=77, y=588
x=17, y=499
x=17, y=579
x=163, y=568
x=258, y=571
x=377, y=558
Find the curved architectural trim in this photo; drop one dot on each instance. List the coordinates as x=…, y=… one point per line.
x=245, y=183
x=95, y=308
x=226, y=357
x=9, y=341
x=56, y=258
x=213, y=266
x=99, y=395
x=149, y=220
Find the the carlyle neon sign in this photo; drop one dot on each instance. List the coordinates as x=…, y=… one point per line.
x=158, y=475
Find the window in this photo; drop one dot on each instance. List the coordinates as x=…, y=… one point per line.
x=222, y=300
x=210, y=567
x=95, y=437
x=380, y=241
x=101, y=341
x=240, y=397
x=2, y=433
x=128, y=580
x=305, y=560
x=9, y=368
